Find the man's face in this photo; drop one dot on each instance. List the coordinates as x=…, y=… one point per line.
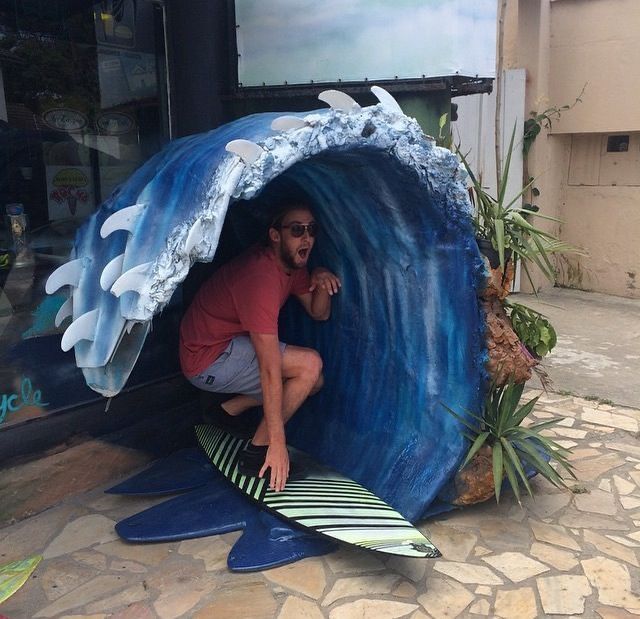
x=293, y=250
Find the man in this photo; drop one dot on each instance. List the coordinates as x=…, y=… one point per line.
x=229, y=336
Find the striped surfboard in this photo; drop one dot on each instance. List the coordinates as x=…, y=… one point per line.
x=321, y=500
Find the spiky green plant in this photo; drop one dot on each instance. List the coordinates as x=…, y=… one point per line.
x=512, y=444
x=506, y=226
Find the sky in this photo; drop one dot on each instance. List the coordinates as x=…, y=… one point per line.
x=297, y=41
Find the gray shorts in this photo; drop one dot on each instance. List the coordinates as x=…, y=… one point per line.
x=236, y=370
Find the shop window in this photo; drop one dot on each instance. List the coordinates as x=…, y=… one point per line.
x=82, y=105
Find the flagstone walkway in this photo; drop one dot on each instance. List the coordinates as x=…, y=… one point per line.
x=563, y=554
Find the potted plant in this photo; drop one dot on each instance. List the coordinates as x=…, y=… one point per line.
x=515, y=449
x=503, y=227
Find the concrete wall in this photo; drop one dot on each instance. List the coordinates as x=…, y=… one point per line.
x=564, y=44
x=596, y=42
x=599, y=207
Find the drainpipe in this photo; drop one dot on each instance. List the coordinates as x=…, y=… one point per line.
x=165, y=37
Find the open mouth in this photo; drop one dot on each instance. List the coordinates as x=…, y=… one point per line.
x=303, y=253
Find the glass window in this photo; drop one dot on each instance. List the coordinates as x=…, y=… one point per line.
x=82, y=105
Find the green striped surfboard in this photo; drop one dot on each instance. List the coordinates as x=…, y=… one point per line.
x=321, y=500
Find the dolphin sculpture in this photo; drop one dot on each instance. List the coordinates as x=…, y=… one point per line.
x=406, y=334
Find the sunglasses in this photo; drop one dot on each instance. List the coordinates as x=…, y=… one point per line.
x=297, y=230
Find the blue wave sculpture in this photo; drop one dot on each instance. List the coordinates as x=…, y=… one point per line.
x=406, y=332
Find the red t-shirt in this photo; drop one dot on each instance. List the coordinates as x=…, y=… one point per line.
x=245, y=295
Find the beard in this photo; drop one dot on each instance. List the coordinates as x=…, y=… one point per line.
x=292, y=259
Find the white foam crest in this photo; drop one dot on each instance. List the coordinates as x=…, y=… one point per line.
x=374, y=127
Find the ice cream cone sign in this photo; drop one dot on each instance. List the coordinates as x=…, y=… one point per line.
x=70, y=187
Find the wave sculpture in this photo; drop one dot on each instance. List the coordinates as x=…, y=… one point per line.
x=406, y=332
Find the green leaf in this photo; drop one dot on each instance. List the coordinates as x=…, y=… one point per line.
x=539, y=464
x=541, y=467
x=497, y=469
x=545, y=335
x=500, y=242
x=505, y=170
x=475, y=429
x=536, y=427
x=513, y=456
x=477, y=444
x=543, y=253
x=513, y=480
x=541, y=350
x=552, y=477
x=508, y=398
x=524, y=411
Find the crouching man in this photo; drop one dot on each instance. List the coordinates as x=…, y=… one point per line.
x=229, y=336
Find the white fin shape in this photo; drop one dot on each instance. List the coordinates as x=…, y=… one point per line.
x=284, y=123
x=124, y=219
x=82, y=328
x=66, y=275
x=111, y=272
x=245, y=149
x=65, y=311
x=339, y=100
x=196, y=234
x=131, y=279
x=387, y=99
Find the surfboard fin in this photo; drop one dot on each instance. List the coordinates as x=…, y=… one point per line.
x=124, y=219
x=66, y=275
x=286, y=123
x=248, y=151
x=131, y=280
x=339, y=100
x=82, y=328
x=387, y=100
x=111, y=272
x=65, y=311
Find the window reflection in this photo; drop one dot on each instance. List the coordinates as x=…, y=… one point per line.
x=82, y=105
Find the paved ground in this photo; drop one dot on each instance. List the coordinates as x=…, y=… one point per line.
x=598, y=352
x=568, y=553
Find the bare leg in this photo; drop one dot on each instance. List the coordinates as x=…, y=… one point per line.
x=302, y=372
x=238, y=404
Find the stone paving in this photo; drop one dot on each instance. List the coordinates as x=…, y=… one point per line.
x=566, y=553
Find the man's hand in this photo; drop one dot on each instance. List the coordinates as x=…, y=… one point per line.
x=323, y=279
x=323, y=285
x=278, y=461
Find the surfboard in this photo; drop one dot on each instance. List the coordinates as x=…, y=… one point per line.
x=321, y=500
x=13, y=575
